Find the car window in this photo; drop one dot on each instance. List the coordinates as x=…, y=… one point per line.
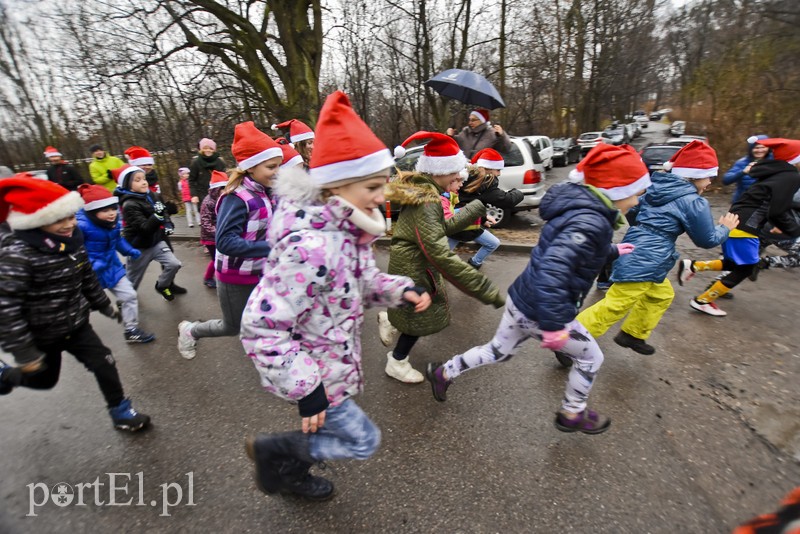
x=588, y=136
x=534, y=154
x=513, y=157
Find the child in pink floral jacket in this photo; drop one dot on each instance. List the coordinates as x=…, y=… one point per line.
x=302, y=324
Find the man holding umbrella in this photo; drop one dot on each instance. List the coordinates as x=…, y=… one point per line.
x=479, y=134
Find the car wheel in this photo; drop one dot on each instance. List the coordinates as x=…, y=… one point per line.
x=503, y=217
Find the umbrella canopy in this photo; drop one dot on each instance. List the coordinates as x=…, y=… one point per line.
x=467, y=87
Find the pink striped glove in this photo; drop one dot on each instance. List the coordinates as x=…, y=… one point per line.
x=554, y=340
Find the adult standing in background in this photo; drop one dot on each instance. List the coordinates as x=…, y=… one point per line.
x=101, y=166
x=739, y=174
x=479, y=133
x=201, y=167
x=60, y=171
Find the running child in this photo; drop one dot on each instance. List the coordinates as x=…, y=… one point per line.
x=208, y=224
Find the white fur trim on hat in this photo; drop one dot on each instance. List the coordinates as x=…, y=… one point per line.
x=693, y=173
x=352, y=168
x=618, y=193
x=478, y=115
x=575, y=177
x=399, y=151
x=252, y=161
x=490, y=164
x=302, y=137
x=142, y=161
x=62, y=207
x=102, y=203
x=440, y=165
x=297, y=160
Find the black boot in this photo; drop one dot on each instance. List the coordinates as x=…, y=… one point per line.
x=282, y=464
x=624, y=339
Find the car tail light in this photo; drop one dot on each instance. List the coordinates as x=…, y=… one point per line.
x=531, y=177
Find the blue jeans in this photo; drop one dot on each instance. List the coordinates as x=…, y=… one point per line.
x=347, y=433
x=488, y=243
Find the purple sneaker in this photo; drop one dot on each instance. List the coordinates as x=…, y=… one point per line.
x=588, y=422
x=435, y=375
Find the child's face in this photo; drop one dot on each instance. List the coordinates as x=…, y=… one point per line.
x=139, y=183
x=624, y=205
x=366, y=195
x=65, y=227
x=207, y=151
x=264, y=172
x=146, y=168
x=701, y=184
x=759, y=151
x=108, y=214
x=490, y=172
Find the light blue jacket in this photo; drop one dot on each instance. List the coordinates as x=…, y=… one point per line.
x=670, y=207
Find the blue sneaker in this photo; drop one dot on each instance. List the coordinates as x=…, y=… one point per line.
x=126, y=418
x=5, y=388
x=137, y=335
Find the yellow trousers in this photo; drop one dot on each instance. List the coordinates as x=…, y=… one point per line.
x=646, y=301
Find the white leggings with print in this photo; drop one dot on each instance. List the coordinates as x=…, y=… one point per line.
x=514, y=329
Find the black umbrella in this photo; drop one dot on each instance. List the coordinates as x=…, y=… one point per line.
x=467, y=87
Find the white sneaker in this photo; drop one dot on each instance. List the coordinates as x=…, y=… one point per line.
x=386, y=331
x=709, y=307
x=402, y=370
x=685, y=272
x=186, y=343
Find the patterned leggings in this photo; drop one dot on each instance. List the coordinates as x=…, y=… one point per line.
x=514, y=329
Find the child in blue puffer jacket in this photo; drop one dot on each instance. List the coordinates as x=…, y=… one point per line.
x=99, y=222
x=544, y=300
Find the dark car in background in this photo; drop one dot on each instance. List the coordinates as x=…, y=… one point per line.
x=654, y=156
x=616, y=134
x=566, y=150
x=677, y=128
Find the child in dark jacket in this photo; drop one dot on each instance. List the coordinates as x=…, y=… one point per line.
x=208, y=223
x=99, y=222
x=767, y=201
x=482, y=185
x=48, y=290
x=544, y=300
x=146, y=226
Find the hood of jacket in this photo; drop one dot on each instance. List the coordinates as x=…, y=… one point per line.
x=566, y=196
x=666, y=187
x=413, y=190
x=766, y=168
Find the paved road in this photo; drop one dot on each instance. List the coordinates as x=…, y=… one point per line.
x=680, y=456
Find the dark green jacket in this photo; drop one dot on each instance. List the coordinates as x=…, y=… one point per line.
x=420, y=251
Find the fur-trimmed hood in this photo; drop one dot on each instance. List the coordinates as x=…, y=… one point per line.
x=413, y=189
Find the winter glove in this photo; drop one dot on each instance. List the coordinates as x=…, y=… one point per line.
x=554, y=340
x=172, y=208
x=135, y=254
x=625, y=248
x=112, y=313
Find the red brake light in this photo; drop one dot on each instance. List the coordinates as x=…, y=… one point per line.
x=532, y=176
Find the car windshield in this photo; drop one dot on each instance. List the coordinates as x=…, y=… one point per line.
x=561, y=143
x=659, y=154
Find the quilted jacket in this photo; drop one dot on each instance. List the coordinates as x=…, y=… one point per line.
x=44, y=294
x=573, y=246
x=420, y=251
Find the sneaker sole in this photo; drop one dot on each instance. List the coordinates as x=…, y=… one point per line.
x=431, y=376
x=645, y=352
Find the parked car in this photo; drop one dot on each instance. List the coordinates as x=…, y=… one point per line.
x=616, y=134
x=565, y=151
x=40, y=174
x=654, y=156
x=685, y=140
x=543, y=145
x=643, y=121
x=588, y=140
x=523, y=170
x=656, y=116
x=633, y=130
x=677, y=128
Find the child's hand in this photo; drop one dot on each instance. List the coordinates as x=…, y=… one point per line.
x=420, y=301
x=554, y=340
x=314, y=422
x=490, y=221
x=775, y=230
x=625, y=248
x=731, y=220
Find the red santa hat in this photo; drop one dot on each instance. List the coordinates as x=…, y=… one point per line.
x=96, y=197
x=617, y=171
x=480, y=114
x=27, y=203
x=122, y=175
x=218, y=179
x=291, y=157
x=139, y=156
x=251, y=146
x=298, y=130
x=488, y=158
x=345, y=147
x=440, y=156
x=695, y=160
x=50, y=151
x=783, y=149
